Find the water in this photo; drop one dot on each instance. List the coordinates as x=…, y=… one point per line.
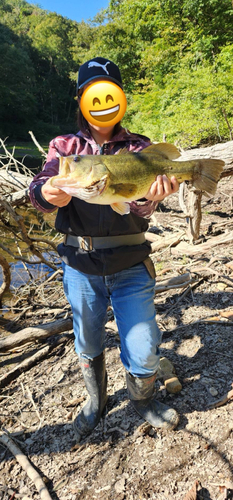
x=36, y=225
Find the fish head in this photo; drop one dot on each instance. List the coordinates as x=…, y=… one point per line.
x=80, y=175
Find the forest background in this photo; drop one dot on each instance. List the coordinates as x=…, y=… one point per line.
x=175, y=57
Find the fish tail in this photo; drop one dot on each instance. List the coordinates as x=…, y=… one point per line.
x=209, y=172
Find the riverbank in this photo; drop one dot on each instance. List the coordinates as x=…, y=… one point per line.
x=124, y=458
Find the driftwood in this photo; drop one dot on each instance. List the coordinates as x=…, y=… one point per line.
x=158, y=242
x=178, y=282
x=34, y=334
x=185, y=249
x=15, y=178
x=31, y=361
x=39, y=147
x=222, y=151
x=6, y=440
x=11, y=181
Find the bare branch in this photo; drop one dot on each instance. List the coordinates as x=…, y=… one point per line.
x=26, y=465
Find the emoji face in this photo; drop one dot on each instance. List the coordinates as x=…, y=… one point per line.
x=103, y=103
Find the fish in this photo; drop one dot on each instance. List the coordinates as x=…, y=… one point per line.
x=116, y=180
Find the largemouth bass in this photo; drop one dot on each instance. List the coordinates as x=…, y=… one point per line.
x=116, y=180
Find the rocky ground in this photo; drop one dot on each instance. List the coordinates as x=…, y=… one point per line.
x=124, y=458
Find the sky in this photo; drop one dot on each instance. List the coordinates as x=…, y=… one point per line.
x=77, y=10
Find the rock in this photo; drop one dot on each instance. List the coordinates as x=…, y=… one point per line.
x=190, y=426
x=166, y=366
x=213, y=391
x=167, y=373
x=173, y=385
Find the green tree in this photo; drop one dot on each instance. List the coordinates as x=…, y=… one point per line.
x=175, y=58
x=17, y=80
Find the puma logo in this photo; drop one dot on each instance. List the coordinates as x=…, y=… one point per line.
x=98, y=65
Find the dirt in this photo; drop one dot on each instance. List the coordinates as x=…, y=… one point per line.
x=124, y=458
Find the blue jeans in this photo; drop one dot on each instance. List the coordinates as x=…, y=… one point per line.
x=131, y=294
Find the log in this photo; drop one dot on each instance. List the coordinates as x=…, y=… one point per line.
x=26, y=466
x=221, y=151
x=18, y=198
x=159, y=242
x=34, y=334
x=13, y=181
x=185, y=249
x=28, y=363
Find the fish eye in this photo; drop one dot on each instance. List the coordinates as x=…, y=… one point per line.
x=76, y=158
x=109, y=97
x=96, y=101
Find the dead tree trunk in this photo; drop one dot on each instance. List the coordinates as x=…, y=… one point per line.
x=192, y=208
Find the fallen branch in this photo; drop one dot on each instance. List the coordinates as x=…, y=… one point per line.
x=185, y=249
x=177, y=282
x=18, y=198
x=223, y=151
x=223, y=400
x=28, y=363
x=158, y=242
x=37, y=144
x=24, y=234
x=32, y=334
x=26, y=466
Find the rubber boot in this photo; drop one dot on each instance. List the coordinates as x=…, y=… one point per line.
x=141, y=392
x=95, y=378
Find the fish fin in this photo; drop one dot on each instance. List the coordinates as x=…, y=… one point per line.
x=121, y=207
x=127, y=190
x=210, y=171
x=169, y=151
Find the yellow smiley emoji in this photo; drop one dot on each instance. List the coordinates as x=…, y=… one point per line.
x=103, y=103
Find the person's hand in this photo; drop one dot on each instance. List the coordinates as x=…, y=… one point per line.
x=162, y=187
x=57, y=197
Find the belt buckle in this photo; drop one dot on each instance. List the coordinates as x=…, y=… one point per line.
x=86, y=243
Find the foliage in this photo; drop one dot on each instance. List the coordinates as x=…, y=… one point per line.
x=175, y=57
x=36, y=57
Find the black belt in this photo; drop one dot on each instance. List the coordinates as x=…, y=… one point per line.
x=88, y=243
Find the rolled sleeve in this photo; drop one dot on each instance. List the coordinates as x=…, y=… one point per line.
x=143, y=208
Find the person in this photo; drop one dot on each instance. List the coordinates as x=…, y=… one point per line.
x=105, y=259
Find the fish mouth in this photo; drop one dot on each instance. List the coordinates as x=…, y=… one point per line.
x=106, y=114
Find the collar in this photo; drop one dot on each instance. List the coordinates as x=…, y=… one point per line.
x=123, y=135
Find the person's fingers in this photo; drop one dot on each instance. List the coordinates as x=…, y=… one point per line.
x=175, y=184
